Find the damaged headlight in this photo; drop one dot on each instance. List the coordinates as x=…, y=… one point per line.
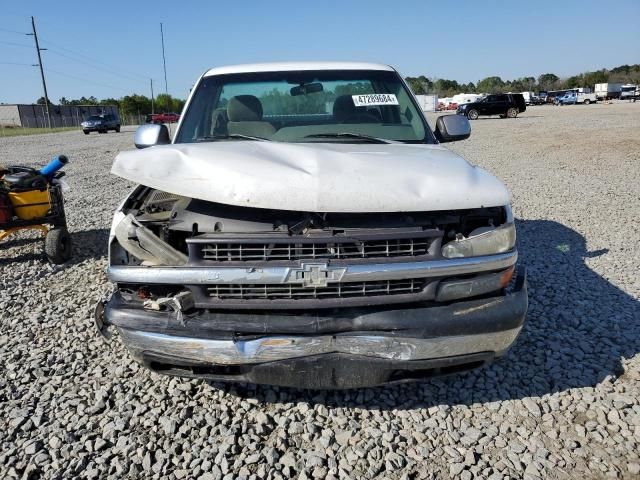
x=146, y=246
x=482, y=241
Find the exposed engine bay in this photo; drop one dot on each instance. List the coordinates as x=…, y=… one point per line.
x=159, y=227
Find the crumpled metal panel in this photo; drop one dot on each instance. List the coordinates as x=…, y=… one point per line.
x=315, y=177
x=273, y=348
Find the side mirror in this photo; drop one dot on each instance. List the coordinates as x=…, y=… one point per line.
x=150, y=135
x=451, y=128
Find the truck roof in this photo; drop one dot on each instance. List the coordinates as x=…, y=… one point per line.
x=295, y=66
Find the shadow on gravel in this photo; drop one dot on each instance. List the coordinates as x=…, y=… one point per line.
x=88, y=244
x=578, y=329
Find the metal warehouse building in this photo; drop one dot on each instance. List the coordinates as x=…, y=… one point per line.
x=34, y=116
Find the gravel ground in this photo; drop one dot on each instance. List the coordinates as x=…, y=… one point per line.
x=564, y=402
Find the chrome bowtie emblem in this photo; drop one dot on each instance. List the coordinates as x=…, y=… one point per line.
x=315, y=274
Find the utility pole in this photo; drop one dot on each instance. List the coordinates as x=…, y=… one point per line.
x=152, y=110
x=44, y=84
x=164, y=63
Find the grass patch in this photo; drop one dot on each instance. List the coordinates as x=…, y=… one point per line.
x=16, y=131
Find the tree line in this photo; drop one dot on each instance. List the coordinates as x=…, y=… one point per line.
x=547, y=81
x=141, y=105
x=129, y=104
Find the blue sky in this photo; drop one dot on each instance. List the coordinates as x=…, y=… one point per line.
x=110, y=49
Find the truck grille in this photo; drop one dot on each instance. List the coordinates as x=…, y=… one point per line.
x=272, y=248
x=332, y=290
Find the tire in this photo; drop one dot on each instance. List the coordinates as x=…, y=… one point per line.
x=587, y=101
x=57, y=245
x=86, y=132
x=512, y=112
x=117, y=129
x=472, y=114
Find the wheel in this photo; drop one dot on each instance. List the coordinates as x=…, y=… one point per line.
x=512, y=113
x=57, y=245
x=117, y=129
x=86, y=132
x=472, y=114
x=587, y=101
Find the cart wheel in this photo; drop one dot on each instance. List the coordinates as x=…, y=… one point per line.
x=57, y=245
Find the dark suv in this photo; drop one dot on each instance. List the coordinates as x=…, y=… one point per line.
x=101, y=124
x=503, y=104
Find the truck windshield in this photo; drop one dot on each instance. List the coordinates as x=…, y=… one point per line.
x=304, y=106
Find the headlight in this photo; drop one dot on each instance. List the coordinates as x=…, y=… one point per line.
x=482, y=242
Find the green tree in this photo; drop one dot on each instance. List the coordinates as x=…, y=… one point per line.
x=490, y=85
x=574, y=81
x=547, y=81
x=135, y=104
x=446, y=88
x=418, y=87
x=591, y=78
x=166, y=103
x=109, y=101
x=41, y=101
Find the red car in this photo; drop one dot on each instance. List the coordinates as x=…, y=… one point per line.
x=164, y=118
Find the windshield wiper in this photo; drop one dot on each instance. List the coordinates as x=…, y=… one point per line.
x=359, y=136
x=230, y=136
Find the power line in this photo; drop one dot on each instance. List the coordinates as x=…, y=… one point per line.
x=48, y=70
x=78, y=58
x=13, y=44
x=44, y=83
x=12, y=31
x=87, y=58
x=102, y=69
x=22, y=64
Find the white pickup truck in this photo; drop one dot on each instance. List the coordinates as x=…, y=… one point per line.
x=305, y=227
x=573, y=98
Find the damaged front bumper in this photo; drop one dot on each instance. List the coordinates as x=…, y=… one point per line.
x=333, y=348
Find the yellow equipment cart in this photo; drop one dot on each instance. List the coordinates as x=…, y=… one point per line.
x=32, y=200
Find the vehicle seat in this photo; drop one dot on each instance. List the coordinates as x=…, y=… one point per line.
x=245, y=117
x=345, y=111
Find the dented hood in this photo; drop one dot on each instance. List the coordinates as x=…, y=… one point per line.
x=317, y=177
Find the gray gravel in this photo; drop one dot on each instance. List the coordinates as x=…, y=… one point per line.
x=563, y=403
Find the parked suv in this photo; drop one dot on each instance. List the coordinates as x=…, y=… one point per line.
x=101, y=124
x=306, y=227
x=503, y=104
